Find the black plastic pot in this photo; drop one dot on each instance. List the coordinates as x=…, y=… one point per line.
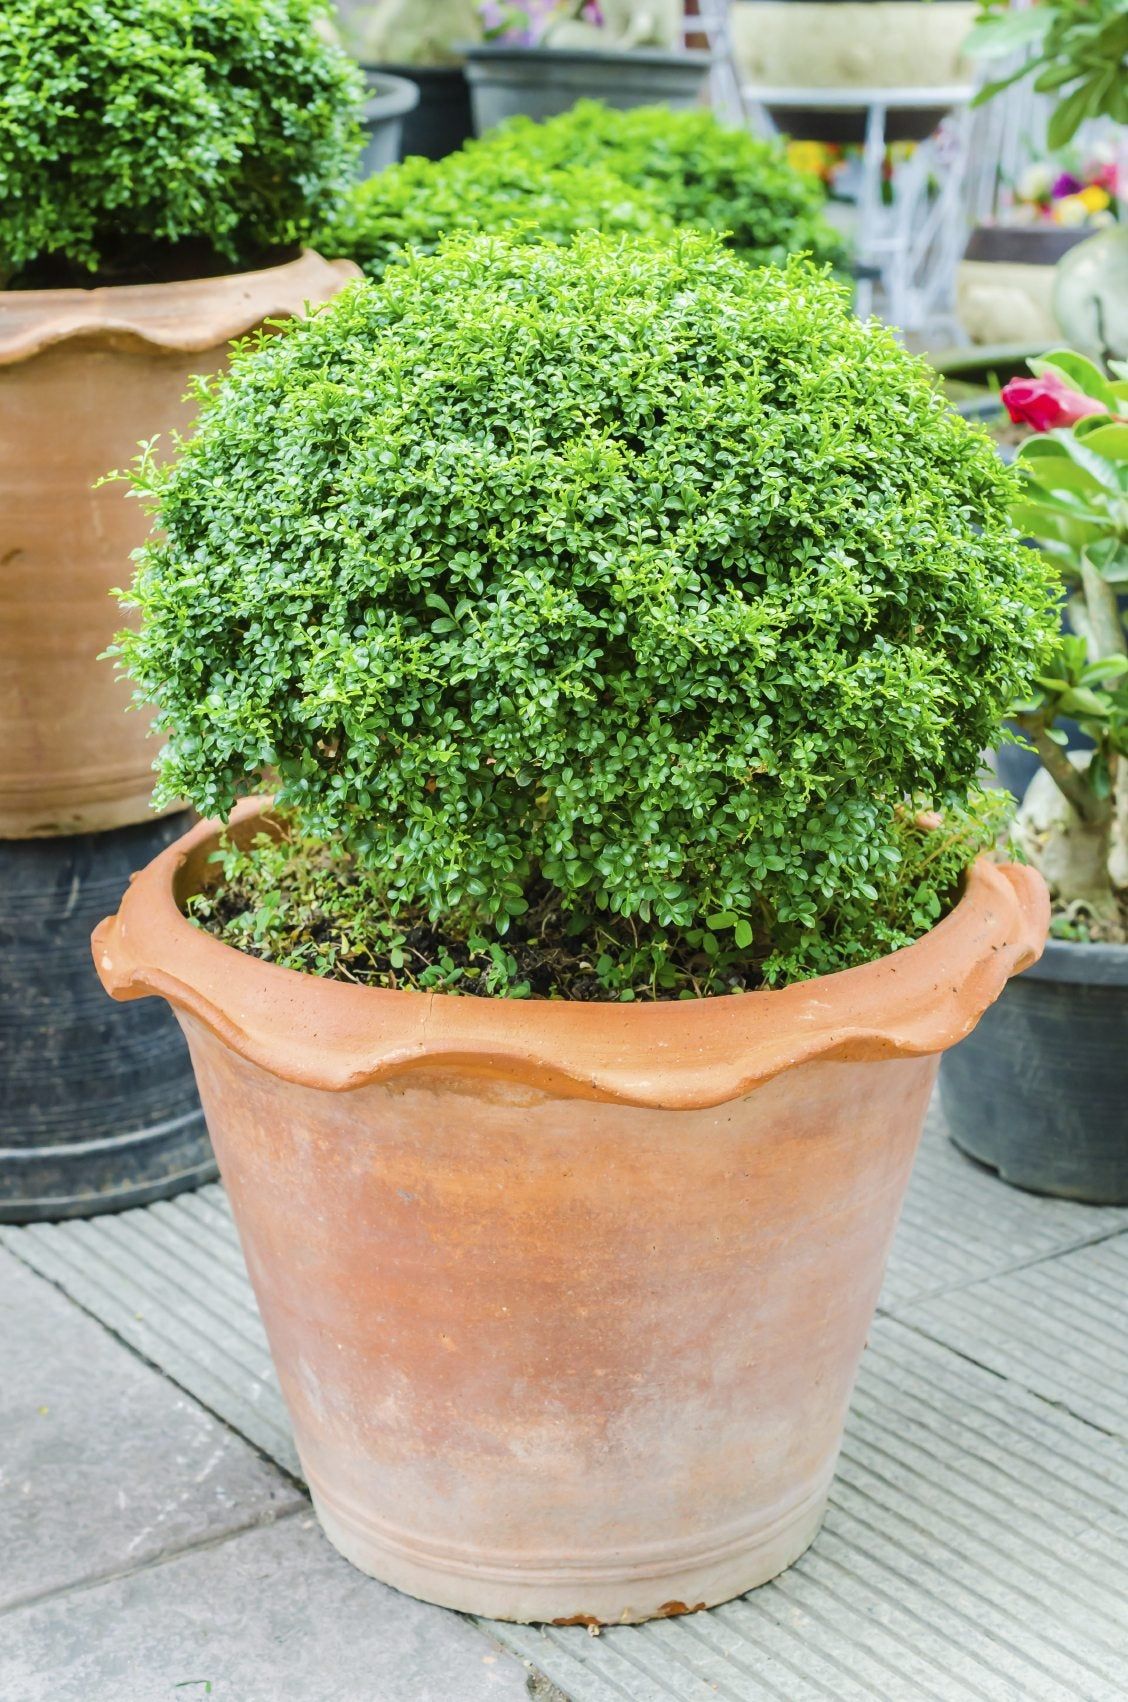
x=382, y=118
x=1039, y=1091
x=441, y=122
x=1022, y=245
x=98, y=1106
x=845, y=126
x=539, y=82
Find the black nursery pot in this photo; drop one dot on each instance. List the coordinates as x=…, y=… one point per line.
x=98, y=1105
x=1039, y=1091
x=441, y=122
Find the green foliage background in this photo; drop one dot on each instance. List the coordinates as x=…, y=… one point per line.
x=129, y=122
x=418, y=202
x=700, y=171
x=592, y=168
x=1074, y=50
x=620, y=566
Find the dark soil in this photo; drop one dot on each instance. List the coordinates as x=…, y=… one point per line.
x=404, y=950
x=152, y=263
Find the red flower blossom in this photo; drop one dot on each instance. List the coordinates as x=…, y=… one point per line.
x=1046, y=402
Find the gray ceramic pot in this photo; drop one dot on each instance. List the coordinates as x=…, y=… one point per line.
x=1039, y=1091
x=541, y=81
x=381, y=118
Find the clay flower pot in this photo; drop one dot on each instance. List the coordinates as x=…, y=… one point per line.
x=566, y=1300
x=85, y=375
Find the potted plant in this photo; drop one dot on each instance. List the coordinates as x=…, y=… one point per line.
x=695, y=168
x=160, y=164
x=842, y=45
x=423, y=44
x=537, y=59
x=606, y=614
x=1039, y=1091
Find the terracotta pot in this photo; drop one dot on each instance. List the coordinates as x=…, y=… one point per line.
x=85, y=375
x=566, y=1300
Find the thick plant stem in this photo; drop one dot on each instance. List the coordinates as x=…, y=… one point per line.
x=1069, y=780
x=1070, y=851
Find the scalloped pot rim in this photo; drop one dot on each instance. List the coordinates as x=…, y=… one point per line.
x=187, y=316
x=678, y=1054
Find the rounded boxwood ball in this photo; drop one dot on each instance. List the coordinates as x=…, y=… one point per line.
x=619, y=566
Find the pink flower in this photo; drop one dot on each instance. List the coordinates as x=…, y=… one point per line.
x=1046, y=403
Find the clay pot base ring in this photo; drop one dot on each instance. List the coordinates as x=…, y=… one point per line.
x=657, y=1583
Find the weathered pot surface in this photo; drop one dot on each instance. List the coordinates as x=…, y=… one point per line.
x=85, y=376
x=566, y=1300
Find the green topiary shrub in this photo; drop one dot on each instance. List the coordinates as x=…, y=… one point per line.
x=417, y=203
x=616, y=581
x=699, y=171
x=130, y=123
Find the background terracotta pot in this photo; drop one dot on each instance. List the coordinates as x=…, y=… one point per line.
x=566, y=1300
x=85, y=375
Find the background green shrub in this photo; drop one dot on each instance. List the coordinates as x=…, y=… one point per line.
x=620, y=567
x=417, y=203
x=125, y=123
x=699, y=171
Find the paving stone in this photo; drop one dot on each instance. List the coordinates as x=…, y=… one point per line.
x=975, y=1551
x=1058, y=1328
x=269, y=1615
x=961, y=1224
x=104, y=1464
x=169, y=1279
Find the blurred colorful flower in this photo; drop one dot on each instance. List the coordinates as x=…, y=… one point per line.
x=1095, y=198
x=813, y=158
x=1065, y=184
x=1035, y=184
x=1045, y=403
x=1070, y=210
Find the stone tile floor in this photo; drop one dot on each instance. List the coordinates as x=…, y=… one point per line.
x=156, y=1543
